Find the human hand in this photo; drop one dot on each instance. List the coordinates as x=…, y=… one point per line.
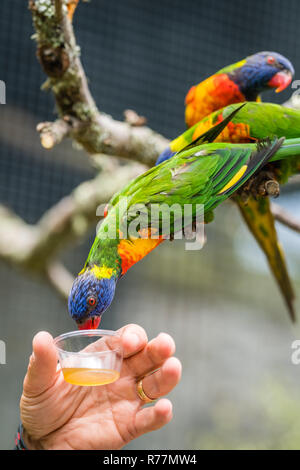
x=58, y=415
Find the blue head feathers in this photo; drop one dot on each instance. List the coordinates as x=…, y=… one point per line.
x=91, y=294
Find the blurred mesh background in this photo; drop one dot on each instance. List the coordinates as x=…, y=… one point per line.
x=239, y=389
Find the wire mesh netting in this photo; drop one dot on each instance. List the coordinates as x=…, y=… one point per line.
x=221, y=305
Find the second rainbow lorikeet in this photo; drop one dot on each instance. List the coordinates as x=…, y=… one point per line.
x=253, y=122
x=205, y=175
x=242, y=81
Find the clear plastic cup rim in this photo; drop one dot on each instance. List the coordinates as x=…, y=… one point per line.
x=95, y=332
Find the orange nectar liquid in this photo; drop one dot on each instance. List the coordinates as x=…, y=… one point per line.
x=89, y=377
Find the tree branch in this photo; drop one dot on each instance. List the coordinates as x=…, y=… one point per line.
x=34, y=246
x=60, y=278
x=293, y=101
x=52, y=133
x=95, y=131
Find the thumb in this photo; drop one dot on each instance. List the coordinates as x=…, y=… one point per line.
x=42, y=366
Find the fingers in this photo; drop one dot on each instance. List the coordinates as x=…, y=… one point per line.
x=153, y=417
x=162, y=381
x=152, y=356
x=134, y=339
x=41, y=371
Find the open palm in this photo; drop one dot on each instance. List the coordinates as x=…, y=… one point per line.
x=58, y=415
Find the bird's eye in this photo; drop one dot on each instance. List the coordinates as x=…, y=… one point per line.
x=91, y=301
x=271, y=60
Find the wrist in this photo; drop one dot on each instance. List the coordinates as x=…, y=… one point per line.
x=19, y=443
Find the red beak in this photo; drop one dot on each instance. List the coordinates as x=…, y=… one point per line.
x=91, y=324
x=280, y=80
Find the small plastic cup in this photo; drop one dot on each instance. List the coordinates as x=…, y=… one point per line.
x=90, y=357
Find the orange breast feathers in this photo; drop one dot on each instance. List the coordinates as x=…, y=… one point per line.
x=210, y=95
x=132, y=251
x=233, y=132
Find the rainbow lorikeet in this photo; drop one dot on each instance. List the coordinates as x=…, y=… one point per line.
x=242, y=81
x=204, y=174
x=256, y=121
